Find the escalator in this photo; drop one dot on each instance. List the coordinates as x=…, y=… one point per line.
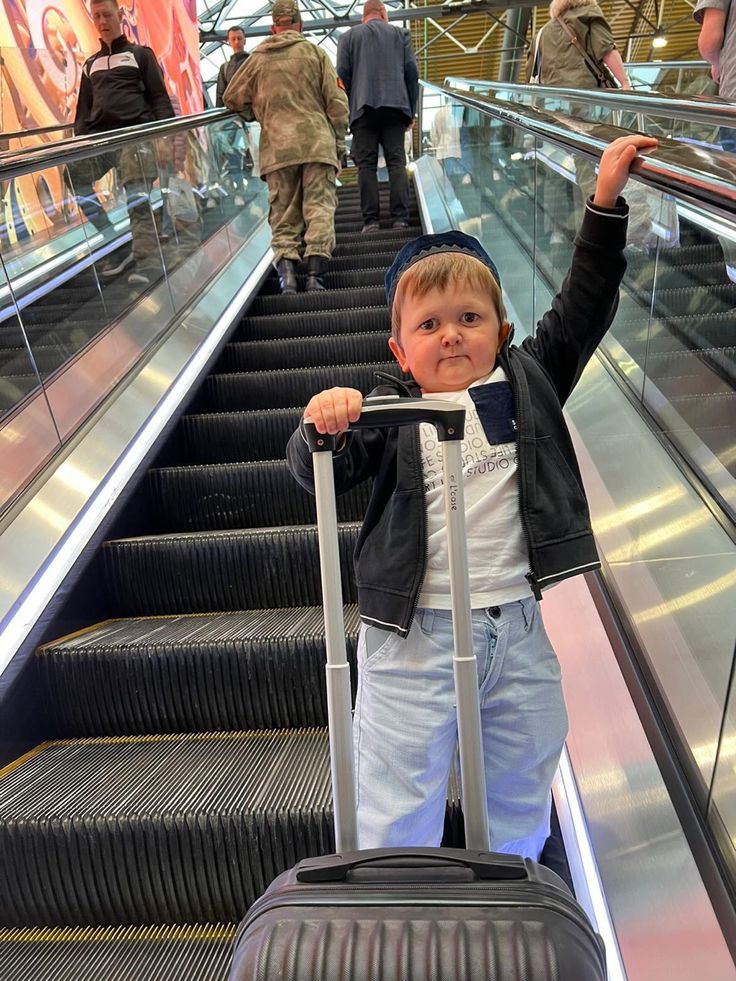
x=182, y=761
x=190, y=765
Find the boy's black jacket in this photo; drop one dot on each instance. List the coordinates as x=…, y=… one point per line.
x=121, y=85
x=390, y=554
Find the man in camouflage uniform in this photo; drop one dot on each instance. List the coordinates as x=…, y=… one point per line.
x=289, y=85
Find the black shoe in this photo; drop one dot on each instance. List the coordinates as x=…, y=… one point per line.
x=315, y=270
x=286, y=268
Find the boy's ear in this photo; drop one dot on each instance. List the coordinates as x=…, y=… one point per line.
x=398, y=353
x=503, y=332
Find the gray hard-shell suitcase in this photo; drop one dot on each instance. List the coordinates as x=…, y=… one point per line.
x=412, y=914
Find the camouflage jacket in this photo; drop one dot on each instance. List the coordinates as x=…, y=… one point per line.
x=289, y=85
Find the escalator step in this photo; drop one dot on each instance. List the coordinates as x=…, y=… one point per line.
x=238, y=495
x=366, y=296
x=369, y=259
x=231, y=437
x=165, y=829
x=216, y=571
x=316, y=322
x=707, y=300
x=345, y=251
x=384, y=239
x=260, y=669
x=117, y=954
x=334, y=280
x=295, y=386
x=304, y=352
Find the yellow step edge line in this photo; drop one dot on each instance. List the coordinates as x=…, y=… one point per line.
x=24, y=758
x=75, y=633
x=217, y=931
x=167, y=737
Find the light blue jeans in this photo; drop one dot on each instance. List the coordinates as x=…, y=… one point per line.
x=405, y=727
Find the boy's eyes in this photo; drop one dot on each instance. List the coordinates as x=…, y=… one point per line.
x=466, y=318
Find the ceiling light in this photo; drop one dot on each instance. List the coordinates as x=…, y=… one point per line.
x=658, y=39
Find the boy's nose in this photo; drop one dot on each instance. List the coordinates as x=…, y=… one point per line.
x=451, y=335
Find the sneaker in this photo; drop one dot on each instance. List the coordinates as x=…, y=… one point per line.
x=114, y=265
x=239, y=201
x=400, y=223
x=139, y=278
x=370, y=228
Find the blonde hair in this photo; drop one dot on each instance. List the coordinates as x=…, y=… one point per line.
x=558, y=7
x=438, y=272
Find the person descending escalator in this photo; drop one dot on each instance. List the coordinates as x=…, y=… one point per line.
x=289, y=85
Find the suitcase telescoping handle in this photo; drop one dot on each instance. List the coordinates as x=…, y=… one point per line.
x=449, y=420
x=484, y=865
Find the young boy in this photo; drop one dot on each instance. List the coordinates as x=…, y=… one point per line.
x=527, y=526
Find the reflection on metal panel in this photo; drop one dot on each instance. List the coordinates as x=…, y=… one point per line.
x=664, y=921
x=46, y=537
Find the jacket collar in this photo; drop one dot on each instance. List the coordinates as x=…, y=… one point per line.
x=119, y=44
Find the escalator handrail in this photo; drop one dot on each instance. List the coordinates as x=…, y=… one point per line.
x=667, y=65
x=79, y=147
x=681, y=170
x=39, y=131
x=707, y=110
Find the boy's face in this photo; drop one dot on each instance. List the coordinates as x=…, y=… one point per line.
x=449, y=338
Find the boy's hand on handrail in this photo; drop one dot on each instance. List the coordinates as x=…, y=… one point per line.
x=613, y=171
x=334, y=409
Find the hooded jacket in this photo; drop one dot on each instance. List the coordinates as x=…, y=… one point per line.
x=121, y=85
x=390, y=554
x=289, y=85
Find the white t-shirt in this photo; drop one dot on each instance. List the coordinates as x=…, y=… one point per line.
x=497, y=553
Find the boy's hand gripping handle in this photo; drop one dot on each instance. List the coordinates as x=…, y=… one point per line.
x=449, y=419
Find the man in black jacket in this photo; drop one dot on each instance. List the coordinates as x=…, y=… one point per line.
x=122, y=85
x=230, y=134
x=376, y=64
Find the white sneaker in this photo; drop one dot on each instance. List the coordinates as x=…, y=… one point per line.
x=239, y=201
x=139, y=278
x=114, y=265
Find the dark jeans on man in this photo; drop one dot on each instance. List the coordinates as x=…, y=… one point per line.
x=386, y=127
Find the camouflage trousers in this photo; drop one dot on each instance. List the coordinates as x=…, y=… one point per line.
x=137, y=168
x=301, y=210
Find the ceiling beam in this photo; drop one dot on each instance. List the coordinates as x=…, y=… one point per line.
x=464, y=7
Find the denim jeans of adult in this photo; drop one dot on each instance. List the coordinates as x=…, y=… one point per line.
x=405, y=729
x=387, y=128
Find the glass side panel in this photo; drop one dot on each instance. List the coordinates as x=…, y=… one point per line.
x=104, y=253
x=652, y=123
x=28, y=436
x=663, y=387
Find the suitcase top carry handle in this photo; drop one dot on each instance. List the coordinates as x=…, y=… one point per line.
x=484, y=865
x=384, y=411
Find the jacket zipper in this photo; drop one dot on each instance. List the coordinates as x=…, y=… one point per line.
x=530, y=576
x=415, y=601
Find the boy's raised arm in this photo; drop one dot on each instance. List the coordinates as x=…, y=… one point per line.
x=585, y=306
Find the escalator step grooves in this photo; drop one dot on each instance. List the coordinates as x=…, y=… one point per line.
x=166, y=829
x=295, y=386
x=386, y=238
x=298, y=352
x=116, y=954
x=239, y=495
x=364, y=296
x=256, y=669
x=342, y=279
x=209, y=572
x=357, y=320
x=370, y=259
x=230, y=437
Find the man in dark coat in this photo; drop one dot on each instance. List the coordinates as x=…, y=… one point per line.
x=376, y=64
